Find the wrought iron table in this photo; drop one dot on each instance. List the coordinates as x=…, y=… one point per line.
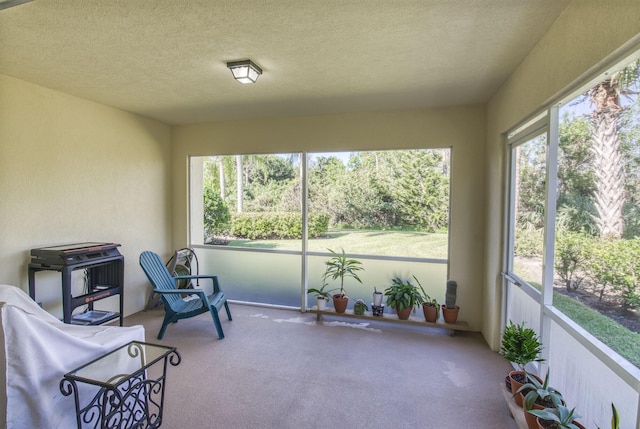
x=126, y=387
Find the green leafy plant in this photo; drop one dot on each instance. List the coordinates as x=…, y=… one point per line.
x=359, y=307
x=541, y=393
x=339, y=267
x=322, y=292
x=561, y=416
x=401, y=295
x=520, y=345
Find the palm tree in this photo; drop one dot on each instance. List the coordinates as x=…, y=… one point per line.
x=608, y=162
x=239, y=183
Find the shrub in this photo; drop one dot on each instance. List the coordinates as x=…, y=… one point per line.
x=573, y=250
x=216, y=213
x=528, y=242
x=276, y=225
x=616, y=264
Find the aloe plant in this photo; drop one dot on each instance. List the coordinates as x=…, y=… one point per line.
x=560, y=415
x=539, y=391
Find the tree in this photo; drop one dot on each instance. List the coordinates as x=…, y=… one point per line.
x=609, y=168
x=239, y=184
x=576, y=179
x=422, y=190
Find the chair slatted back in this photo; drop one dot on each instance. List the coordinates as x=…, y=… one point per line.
x=159, y=276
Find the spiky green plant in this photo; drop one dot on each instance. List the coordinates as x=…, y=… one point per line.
x=520, y=345
x=560, y=415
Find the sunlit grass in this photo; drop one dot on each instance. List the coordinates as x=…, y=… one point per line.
x=618, y=337
x=381, y=243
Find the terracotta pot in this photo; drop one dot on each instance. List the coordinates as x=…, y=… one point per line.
x=340, y=303
x=532, y=421
x=538, y=421
x=430, y=313
x=515, y=385
x=450, y=315
x=404, y=313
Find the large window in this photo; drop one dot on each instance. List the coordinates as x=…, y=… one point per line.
x=597, y=228
x=575, y=189
x=386, y=203
x=572, y=260
x=252, y=201
x=528, y=207
x=267, y=232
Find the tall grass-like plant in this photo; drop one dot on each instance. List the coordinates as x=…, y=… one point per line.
x=339, y=267
x=615, y=418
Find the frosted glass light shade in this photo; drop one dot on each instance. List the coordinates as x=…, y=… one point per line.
x=245, y=71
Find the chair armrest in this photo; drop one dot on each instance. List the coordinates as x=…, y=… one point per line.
x=193, y=291
x=214, y=280
x=200, y=276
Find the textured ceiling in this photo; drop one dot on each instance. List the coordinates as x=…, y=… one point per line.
x=166, y=59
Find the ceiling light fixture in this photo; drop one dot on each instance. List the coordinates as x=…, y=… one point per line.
x=245, y=71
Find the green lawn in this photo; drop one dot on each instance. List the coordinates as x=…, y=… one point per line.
x=607, y=330
x=385, y=243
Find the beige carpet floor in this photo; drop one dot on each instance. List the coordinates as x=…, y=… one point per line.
x=282, y=369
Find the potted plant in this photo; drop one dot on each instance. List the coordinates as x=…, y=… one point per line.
x=403, y=297
x=450, y=309
x=322, y=296
x=538, y=395
x=521, y=346
x=559, y=417
x=615, y=418
x=377, y=297
x=359, y=307
x=339, y=267
x=430, y=306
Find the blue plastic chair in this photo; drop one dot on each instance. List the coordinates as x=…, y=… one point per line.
x=175, y=306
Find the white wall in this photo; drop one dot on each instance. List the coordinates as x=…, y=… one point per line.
x=73, y=171
x=462, y=128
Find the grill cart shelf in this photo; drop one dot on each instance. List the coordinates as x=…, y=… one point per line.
x=104, y=266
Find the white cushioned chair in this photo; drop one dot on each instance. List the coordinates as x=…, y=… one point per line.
x=37, y=350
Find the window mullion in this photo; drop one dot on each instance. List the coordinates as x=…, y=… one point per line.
x=549, y=230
